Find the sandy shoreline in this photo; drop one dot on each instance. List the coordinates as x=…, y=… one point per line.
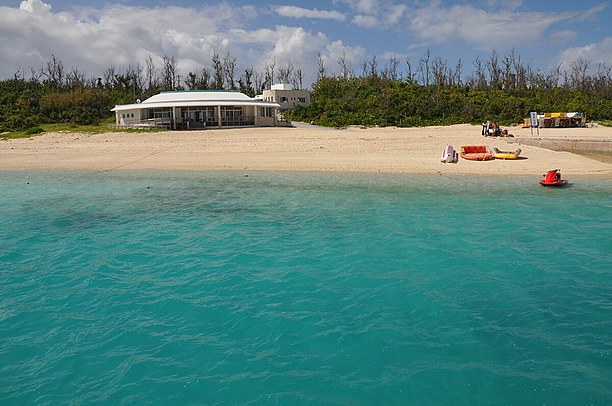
x=302, y=148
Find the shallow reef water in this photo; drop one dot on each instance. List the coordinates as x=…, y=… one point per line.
x=173, y=287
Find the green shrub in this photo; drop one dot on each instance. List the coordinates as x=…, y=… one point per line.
x=33, y=130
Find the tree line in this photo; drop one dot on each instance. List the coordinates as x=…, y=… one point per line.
x=428, y=91
x=431, y=91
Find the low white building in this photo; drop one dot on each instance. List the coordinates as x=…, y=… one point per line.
x=197, y=109
x=286, y=96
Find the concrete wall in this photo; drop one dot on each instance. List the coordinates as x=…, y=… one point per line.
x=128, y=117
x=570, y=145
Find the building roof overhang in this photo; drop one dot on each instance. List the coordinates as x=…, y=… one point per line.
x=196, y=99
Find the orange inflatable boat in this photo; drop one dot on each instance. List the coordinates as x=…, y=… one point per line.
x=476, y=153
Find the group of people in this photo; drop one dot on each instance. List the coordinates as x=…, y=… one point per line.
x=492, y=129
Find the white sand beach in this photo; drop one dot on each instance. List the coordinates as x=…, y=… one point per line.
x=301, y=148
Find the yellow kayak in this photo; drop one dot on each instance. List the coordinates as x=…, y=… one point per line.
x=506, y=154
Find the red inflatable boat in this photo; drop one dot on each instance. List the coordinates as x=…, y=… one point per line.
x=553, y=178
x=476, y=153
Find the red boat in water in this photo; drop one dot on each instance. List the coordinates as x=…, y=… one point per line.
x=553, y=178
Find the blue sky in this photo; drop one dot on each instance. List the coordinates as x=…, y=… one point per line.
x=93, y=35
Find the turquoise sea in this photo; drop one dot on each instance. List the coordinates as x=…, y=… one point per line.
x=206, y=288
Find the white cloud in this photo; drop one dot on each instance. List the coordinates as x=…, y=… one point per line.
x=504, y=4
x=285, y=45
x=562, y=36
x=396, y=13
x=113, y=35
x=34, y=6
x=353, y=56
x=486, y=30
x=299, y=12
x=596, y=53
x=118, y=35
x=592, y=13
x=365, y=6
x=366, y=21
x=94, y=40
x=377, y=14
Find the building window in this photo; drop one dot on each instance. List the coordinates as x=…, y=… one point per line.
x=199, y=115
x=265, y=111
x=230, y=112
x=234, y=116
x=282, y=99
x=164, y=113
x=302, y=99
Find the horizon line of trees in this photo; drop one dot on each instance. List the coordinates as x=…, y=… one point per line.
x=142, y=79
x=427, y=91
x=496, y=72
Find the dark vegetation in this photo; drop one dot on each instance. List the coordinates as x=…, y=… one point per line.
x=435, y=93
x=430, y=93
